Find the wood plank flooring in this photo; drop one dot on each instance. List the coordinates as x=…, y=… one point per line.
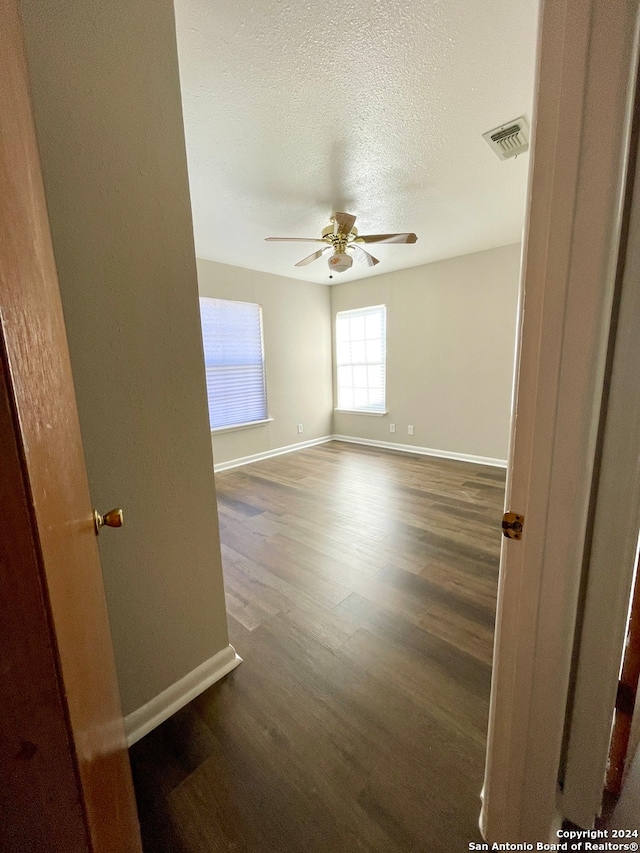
x=361, y=589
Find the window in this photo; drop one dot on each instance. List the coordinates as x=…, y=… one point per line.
x=361, y=359
x=234, y=362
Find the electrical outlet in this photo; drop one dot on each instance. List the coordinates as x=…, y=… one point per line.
x=410, y=429
x=392, y=427
x=299, y=429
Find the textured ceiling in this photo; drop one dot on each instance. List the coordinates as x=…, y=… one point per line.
x=376, y=108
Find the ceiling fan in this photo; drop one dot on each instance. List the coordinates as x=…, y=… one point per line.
x=341, y=237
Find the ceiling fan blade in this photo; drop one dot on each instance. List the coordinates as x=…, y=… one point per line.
x=387, y=238
x=363, y=256
x=312, y=257
x=297, y=239
x=343, y=223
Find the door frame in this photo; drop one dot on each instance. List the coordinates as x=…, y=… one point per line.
x=586, y=74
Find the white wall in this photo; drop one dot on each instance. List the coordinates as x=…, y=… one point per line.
x=108, y=116
x=450, y=352
x=296, y=319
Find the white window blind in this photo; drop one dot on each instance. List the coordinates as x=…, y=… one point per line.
x=234, y=361
x=361, y=358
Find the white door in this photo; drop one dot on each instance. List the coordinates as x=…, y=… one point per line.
x=586, y=81
x=612, y=557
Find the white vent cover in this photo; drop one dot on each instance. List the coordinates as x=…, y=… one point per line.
x=509, y=139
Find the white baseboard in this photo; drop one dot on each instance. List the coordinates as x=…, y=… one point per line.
x=424, y=451
x=141, y=722
x=267, y=454
x=388, y=445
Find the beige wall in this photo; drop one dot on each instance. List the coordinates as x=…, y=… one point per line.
x=296, y=318
x=450, y=352
x=108, y=114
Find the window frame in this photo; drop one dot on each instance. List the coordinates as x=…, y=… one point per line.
x=363, y=410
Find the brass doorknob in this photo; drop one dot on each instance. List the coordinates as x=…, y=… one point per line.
x=113, y=518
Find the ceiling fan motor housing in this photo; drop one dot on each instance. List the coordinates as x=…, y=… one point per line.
x=340, y=261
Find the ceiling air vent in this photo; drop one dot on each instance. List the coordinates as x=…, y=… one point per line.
x=509, y=139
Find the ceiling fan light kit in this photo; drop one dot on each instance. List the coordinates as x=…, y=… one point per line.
x=343, y=240
x=340, y=262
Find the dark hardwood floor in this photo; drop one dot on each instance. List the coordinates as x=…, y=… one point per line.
x=361, y=589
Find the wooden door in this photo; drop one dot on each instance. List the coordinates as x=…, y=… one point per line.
x=65, y=782
x=626, y=701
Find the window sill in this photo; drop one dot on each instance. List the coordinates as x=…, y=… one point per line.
x=234, y=427
x=361, y=412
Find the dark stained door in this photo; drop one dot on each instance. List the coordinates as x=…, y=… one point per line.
x=626, y=700
x=65, y=782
